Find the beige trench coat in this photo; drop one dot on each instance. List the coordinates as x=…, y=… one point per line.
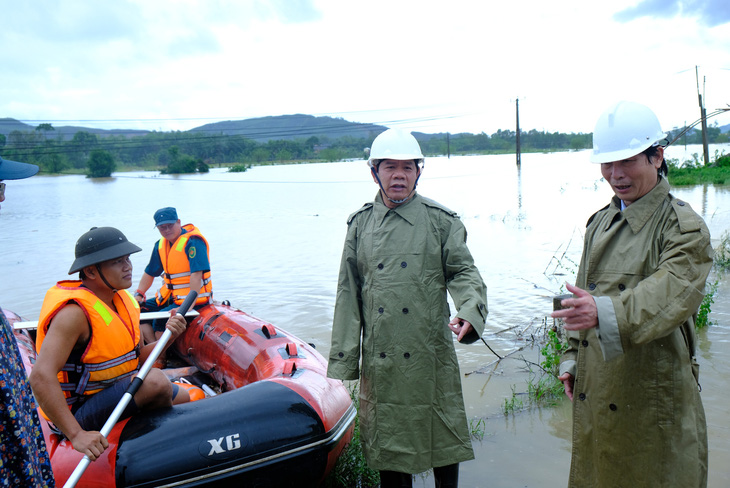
x=638, y=419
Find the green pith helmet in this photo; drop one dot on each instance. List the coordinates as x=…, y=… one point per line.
x=101, y=244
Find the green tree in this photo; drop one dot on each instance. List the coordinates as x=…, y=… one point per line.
x=332, y=154
x=183, y=163
x=101, y=164
x=80, y=148
x=283, y=156
x=260, y=155
x=53, y=162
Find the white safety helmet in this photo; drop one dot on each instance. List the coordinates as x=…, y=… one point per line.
x=624, y=130
x=395, y=144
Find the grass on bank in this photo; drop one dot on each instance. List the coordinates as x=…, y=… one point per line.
x=693, y=172
x=351, y=469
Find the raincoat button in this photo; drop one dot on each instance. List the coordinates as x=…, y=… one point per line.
x=582, y=396
x=622, y=287
x=592, y=286
x=407, y=355
x=584, y=343
x=341, y=354
x=381, y=310
x=680, y=203
x=380, y=265
x=405, y=310
x=403, y=264
x=613, y=407
x=382, y=355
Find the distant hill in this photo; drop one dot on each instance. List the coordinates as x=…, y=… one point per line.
x=297, y=126
x=8, y=125
x=260, y=129
x=725, y=128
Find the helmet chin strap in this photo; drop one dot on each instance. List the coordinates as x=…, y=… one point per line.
x=386, y=195
x=98, y=268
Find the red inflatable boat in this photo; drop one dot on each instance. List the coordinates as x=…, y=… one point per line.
x=272, y=417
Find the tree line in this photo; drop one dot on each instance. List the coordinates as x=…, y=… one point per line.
x=186, y=152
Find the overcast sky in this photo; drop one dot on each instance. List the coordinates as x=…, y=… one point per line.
x=425, y=65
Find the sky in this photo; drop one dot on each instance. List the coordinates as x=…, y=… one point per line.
x=426, y=65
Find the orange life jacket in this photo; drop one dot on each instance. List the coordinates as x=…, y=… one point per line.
x=176, y=276
x=112, y=352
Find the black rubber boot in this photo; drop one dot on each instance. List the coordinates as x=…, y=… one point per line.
x=447, y=476
x=394, y=479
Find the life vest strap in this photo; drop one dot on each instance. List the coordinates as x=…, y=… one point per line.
x=168, y=276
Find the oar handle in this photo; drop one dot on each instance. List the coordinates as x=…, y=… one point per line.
x=131, y=390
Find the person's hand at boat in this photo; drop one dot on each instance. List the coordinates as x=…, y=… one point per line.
x=89, y=442
x=460, y=327
x=176, y=324
x=577, y=313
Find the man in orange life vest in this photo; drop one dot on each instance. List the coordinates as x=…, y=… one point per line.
x=89, y=345
x=182, y=258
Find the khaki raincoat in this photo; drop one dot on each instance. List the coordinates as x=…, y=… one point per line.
x=638, y=419
x=392, y=313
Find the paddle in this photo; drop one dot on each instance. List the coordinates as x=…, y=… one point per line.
x=133, y=387
x=142, y=317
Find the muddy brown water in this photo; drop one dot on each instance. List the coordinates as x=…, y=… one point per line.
x=276, y=236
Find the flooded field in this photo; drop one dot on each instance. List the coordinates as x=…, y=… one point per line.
x=276, y=235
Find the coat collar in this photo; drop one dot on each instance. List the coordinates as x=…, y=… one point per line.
x=639, y=212
x=408, y=211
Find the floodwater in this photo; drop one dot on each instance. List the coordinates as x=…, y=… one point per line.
x=276, y=235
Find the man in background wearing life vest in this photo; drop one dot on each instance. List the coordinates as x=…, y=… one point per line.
x=182, y=257
x=89, y=345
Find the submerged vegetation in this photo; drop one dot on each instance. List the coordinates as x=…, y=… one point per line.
x=693, y=172
x=722, y=253
x=721, y=264
x=543, y=386
x=703, y=314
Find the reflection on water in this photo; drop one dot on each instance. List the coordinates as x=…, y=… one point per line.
x=276, y=235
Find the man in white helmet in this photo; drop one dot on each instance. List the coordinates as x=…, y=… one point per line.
x=630, y=369
x=401, y=255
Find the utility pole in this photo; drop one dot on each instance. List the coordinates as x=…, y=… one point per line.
x=703, y=115
x=518, y=149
